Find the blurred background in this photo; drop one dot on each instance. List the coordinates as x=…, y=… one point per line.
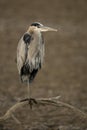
x=65, y=68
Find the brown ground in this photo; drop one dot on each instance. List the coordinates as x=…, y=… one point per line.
x=65, y=69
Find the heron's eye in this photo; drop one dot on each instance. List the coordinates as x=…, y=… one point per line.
x=26, y=38
x=36, y=25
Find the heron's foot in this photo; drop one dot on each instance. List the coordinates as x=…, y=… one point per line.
x=31, y=101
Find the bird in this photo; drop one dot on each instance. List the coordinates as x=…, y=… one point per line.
x=30, y=53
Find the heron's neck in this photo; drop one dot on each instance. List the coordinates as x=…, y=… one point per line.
x=37, y=36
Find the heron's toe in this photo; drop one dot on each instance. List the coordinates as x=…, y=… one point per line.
x=32, y=101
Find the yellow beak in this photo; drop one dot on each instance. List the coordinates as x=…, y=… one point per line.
x=45, y=29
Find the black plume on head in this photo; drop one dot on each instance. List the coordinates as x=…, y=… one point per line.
x=36, y=24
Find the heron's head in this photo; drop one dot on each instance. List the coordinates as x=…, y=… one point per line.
x=40, y=27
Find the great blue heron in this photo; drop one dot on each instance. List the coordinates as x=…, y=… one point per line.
x=30, y=52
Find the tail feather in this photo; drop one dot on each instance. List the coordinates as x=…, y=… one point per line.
x=32, y=75
x=25, y=70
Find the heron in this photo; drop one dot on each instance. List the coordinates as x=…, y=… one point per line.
x=30, y=53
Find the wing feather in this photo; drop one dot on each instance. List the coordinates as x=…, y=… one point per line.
x=22, y=51
x=30, y=55
x=21, y=54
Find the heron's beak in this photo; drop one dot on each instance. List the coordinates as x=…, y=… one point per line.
x=45, y=29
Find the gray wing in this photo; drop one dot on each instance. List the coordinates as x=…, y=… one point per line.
x=21, y=54
x=22, y=51
x=30, y=56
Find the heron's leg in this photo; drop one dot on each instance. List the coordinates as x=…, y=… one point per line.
x=29, y=90
x=28, y=93
x=31, y=100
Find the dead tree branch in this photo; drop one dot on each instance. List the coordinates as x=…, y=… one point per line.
x=41, y=101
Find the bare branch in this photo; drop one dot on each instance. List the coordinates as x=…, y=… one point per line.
x=41, y=101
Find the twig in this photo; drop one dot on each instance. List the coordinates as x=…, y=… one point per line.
x=40, y=101
x=16, y=120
